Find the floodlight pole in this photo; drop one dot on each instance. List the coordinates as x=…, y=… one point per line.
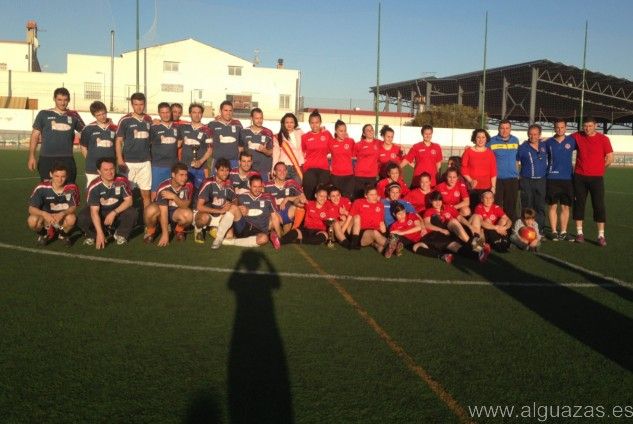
x=483, y=89
x=138, y=79
x=112, y=71
x=376, y=97
x=584, y=70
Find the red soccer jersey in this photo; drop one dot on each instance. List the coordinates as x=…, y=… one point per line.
x=452, y=195
x=591, y=153
x=344, y=205
x=425, y=159
x=371, y=214
x=446, y=213
x=315, y=150
x=366, y=153
x=394, y=154
x=382, y=185
x=494, y=214
x=407, y=224
x=316, y=216
x=417, y=198
x=480, y=166
x=342, y=153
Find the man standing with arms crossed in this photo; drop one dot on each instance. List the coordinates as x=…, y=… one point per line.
x=57, y=128
x=505, y=147
x=132, y=147
x=595, y=154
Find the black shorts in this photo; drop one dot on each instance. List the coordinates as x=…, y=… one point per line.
x=438, y=241
x=559, y=191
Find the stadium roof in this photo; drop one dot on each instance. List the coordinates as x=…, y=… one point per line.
x=526, y=92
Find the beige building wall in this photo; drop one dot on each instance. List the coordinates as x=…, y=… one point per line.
x=14, y=56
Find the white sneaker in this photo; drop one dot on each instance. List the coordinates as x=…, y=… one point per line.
x=120, y=240
x=89, y=241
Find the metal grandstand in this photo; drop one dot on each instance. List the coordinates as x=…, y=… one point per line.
x=524, y=93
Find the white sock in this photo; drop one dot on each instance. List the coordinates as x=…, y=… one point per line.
x=600, y=233
x=579, y=230
x=225, y=224
x=243, y=242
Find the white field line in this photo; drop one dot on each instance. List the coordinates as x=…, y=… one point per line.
x=603, y=277
x=609, y=281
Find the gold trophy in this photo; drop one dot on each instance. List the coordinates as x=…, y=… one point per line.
x=330, y=232
x=194, y=150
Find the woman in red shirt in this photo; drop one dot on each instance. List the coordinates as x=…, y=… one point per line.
x=315, y=148
x=418, y=196
x=479, y=166
x=366, y=153
x=367, y=222
x=491, y=223
x=394, y=175
x=341, y=206
x=388, y=152
x=454, y=192
x=342, y=151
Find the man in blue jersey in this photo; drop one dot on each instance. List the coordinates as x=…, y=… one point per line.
x=52, y=207
x=133, y=149
x=532, y=158
x=258, y=141
x=109, y=211
x=226, y=134
x=505, y=146
x=560, y=149
x=55, y=129
x=288, y=195
x=240, y=176
x=163, y=137
x=196, y=142
x=97, y=140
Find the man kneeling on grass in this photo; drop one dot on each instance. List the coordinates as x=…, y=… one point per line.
x=171, y=207
x=52, y=207
x=109, y=211
x=253, y=222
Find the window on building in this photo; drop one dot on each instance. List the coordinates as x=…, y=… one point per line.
x=172, y=88
x=92, y=91
x=235, y=70
x=284, y=101
x=3, y=66
x=170, y=66
x=242, y=104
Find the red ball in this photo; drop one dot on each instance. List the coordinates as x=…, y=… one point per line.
x=528, y=234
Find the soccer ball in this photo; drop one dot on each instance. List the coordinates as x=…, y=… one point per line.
x=528, y=234
x=213, y=232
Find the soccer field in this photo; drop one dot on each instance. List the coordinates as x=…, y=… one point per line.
x=306, y=334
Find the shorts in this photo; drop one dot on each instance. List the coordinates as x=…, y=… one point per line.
x=437, y=241
x=196, y=176
x=214, y=218
x=159, y=174
x=559, y=191
x=140, y=173
x=284, y=215
x=244, y=229
x=90, y=178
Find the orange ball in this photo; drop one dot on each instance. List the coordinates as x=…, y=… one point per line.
x=528, y=234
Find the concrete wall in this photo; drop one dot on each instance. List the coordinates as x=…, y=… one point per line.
x=14, y=55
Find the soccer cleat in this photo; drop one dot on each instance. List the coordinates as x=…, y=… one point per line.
x=553, y=235
x=565, y=237
x=198, y=235
x=399, y=249
x=580, y=238
x=120, y=240
x=391, y=246
x=42, y=240
x=274, y=240
x=477, y=243
x=180, y=236
x=447, y=257
x=148, y=238
x=485, y=252
x=65, y=240
x=89, y=241
x=216, y=244
x=602, y=241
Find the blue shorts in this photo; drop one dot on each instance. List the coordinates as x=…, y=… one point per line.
x=196, y=176
x=285, y=218
x=245, y=229
x=159, y=174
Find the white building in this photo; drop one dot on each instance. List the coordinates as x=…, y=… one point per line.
x=182, y=71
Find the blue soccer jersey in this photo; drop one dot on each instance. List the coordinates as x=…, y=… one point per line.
x=58, y=131
x=259, y=209
x=110, y=197
x=226, y=138
x=216, y=193
x=135, y=133
x=289, y=188
x=559, y=155
x=164, y=145
x=194, y=138
x=533, y=161
x=185, y=193
x=505, y=154
x=251, y=141
x=46, y=199
x=99, y=141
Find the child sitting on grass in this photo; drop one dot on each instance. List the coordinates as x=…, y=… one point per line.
x=521, y=239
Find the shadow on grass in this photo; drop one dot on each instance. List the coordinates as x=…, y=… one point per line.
x=258, y=380
x=593, y=324
x=623, y=292
x=204, y=408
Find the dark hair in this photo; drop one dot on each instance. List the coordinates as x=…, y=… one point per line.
x=457, y=160
x=256, y=110
x=473, y=137
x=179, y=166
x=368, y=187
x=61, y=91
x=279, y=163
x=426, y=127
x=176, y=105
x=385, y=129
x=138, y=96
x=434, y=196
x=422, y=175
x=332, y=188
x=97, y=106
x=59, y=166
x=392, y=165
x=339, y=123
x=222, y=163
x=254, y=177
x=535, y=126
x=528, y=213
x=390, y=186
x=320, y=187
x=283, y=133
x=504, y=121
x=452, y=169
x=557, y=120
x=396, y=207
x=101, y=161
x=362, y=133
x=163, y=105
x=590, y=119
x=245, y=154
x=226, y=103
x=194, y=105
x=315, y=114
x=481, y=196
